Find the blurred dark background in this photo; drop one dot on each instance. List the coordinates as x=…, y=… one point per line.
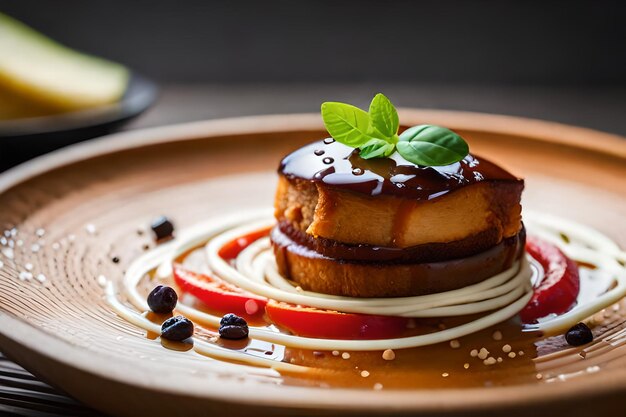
x=443, y=41
x=559, y=60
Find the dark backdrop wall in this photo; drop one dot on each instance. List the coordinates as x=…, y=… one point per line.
x=444, y=41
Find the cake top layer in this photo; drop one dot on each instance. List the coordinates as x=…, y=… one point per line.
x=340, y=166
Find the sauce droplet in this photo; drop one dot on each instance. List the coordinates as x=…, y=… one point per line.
x=357, y=171
x=328, y=141
x=319, y=152
x=328, y=160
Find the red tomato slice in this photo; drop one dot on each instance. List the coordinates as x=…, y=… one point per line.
x=325, y=324
x=218, y=294
x=558, y=290
x=232, y=249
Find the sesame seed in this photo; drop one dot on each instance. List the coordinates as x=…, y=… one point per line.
x=40, y=232
x=474, y=353
x=299, y=288
x=389, y=355
x=3, y=241
x=512, y=355
x=25, y=276
x=19, y=243
x=28, y=266
x=41, y=277
x=8, y=252
x=365, y=374
x=378, y=386
x=35, y=248
x=483, y=353
x=520, y=353
x=490, y=361
x=56, y=246
x=345, y=355
x=455, y=344
x=102, y=280
x=13, y=232
x=91, y=229
x=445, y=374
x=499, y=359
x=251, y=307
x=335, y=353
x=466, y=365
x=497, y=335
x=539, y=376
x=506, y=348
x=11, y=243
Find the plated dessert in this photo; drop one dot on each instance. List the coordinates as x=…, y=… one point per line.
x=387, y=227
x=390, y=260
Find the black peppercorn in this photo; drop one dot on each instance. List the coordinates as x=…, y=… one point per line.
x=578, y=335
x=162, y=299
x=233, y=327
x=115, y=260
x=162, y=227
x=177, y=328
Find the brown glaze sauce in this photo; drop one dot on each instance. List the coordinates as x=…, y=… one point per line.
x=340, y=166
x=445, y=365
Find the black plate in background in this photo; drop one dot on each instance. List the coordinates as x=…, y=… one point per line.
x=23, y=139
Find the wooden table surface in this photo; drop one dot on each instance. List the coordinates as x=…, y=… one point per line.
x=602, y=108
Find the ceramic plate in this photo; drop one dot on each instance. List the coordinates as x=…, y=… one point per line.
x=61, y=328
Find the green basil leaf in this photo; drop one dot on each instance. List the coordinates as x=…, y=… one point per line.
x=376, y=148
x=430, y=145
x=346, y=124
x=384, y=117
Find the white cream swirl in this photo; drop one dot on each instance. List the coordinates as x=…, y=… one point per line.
x=502, y=295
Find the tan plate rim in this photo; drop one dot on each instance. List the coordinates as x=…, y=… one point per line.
x=25, y=339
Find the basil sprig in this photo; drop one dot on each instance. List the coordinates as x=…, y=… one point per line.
x=375, y=134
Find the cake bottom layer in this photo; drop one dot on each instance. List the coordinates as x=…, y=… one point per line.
x=316, y=272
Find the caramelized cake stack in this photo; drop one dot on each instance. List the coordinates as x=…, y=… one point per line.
x=388, y=228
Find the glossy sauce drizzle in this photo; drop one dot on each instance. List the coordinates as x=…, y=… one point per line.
x=340, y=166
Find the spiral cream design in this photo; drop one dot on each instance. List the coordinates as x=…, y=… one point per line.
x=502, y=295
